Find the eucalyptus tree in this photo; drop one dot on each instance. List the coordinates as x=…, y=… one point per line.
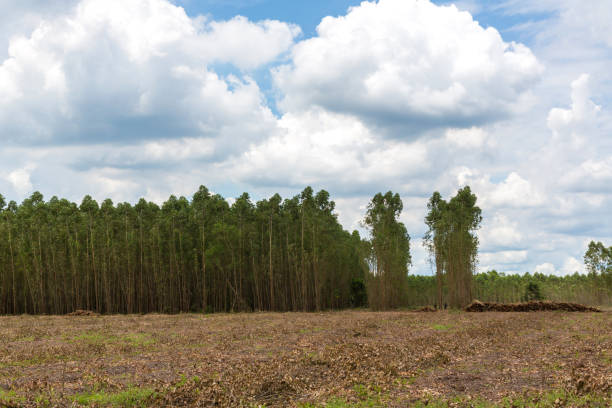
x=453, y=244
x=598, y=258
x=434, y=240
x=187, y=255
x=390, y=252
x=598, y=261
x=464, y=218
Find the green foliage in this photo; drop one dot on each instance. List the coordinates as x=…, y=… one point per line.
x=390, y=252
x=598, y=258
x=532, y=292
x=453, y=244
x=359, y=295
x=131, y=397
x=493, y=286
x=186, y=255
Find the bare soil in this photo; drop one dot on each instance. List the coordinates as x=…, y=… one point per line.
x=292, y=359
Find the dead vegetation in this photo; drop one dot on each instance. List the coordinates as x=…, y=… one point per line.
x=427, y=309
x=532, y=306
x=301, y=359
x=80, y=312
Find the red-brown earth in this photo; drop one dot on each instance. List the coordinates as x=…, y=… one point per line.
x=349, y=358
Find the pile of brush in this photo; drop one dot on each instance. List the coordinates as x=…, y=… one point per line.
x=533, y=306
x=80, y=312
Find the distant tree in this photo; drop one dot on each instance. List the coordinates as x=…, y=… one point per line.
x=598, y=261
x=598, y=258
x=359, y=294
x=532, y=292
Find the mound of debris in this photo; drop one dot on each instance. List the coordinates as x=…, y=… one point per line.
x=80, y=312
x=427, y=309
x=532, y=306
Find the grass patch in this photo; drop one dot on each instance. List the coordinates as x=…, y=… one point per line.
x=556, y=398
x=26, y=338
x=441, y=327
x=10, y=397
x=311, y=330
x=131, y=397
x=99, y=339
x=138, y=339
x=94, y=338
x=369, y=398
x=38, y=360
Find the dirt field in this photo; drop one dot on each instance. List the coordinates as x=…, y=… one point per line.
x=336, y=359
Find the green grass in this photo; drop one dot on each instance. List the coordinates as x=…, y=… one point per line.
x=10, y=397
x=311, y=330
x=441, y=327
x=131, y=397
x=138, y=339
x=371, y=398
x=557, y=398
x=99, y=338
x=31, y=361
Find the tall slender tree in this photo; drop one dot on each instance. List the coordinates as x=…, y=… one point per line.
x=453, y=244
x=390, y=252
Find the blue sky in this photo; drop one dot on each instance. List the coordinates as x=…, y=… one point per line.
x=307, y=14
x=147, y=98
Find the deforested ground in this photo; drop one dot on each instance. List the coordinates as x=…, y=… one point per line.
x=334, y=359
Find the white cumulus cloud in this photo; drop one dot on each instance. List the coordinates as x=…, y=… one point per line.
x=117, y=71
x=408, y=63
x=20, y=179
x=583, y=109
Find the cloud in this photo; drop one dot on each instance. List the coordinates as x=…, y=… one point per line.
x=546, y=268
x=410, y=64
x=318, y=145
x=594, y=176
x=585, y=22
x=513, y=192
x=570, y=266
x=500, y=233
x=470, y=138
x=117, y=72
x=248, y=45
x=503, y=257
x=561, y=121
x=20, y=179
x=23, y=16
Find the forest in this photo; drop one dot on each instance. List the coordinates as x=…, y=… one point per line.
x=203, y=254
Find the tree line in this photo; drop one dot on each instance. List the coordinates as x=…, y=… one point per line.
x=201, y=254
x=205, y=254
x=494, y=286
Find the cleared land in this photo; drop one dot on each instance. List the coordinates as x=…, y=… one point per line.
x=336, y=359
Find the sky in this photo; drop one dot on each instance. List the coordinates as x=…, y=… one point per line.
x=125, y=99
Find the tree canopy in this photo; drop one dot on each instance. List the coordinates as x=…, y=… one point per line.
x=185, y=255
x=453, y=244
x=390, y=252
